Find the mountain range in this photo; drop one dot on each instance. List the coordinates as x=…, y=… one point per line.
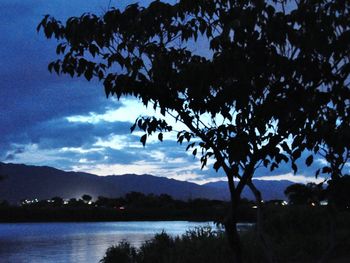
x=21, y=181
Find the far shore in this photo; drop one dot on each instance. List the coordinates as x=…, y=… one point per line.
x=23, y=214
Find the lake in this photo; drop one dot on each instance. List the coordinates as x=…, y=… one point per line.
x=79, y=242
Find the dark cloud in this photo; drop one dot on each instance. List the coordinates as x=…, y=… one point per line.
x=16, y=150
x=10, y=157
x=33, y=102
x=59, y=133
x=107, y=156
x=29, y=94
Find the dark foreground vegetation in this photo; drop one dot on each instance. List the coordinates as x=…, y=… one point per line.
x=296, y=234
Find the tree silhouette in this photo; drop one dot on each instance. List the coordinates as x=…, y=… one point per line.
x=251, y=96
x=301, y=194
x=86, y=198
x=57, y=201
x=330, y=133
x=339, y=192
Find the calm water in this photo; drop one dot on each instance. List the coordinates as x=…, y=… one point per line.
x=77, y=242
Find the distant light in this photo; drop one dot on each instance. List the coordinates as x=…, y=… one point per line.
x=284, y=203
x=26, y=201
x=313, y=204
x=254, y=206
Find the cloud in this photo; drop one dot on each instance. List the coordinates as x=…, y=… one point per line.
x=294, y=178
x=130, y=109
x=11, y=156
x=30, y=94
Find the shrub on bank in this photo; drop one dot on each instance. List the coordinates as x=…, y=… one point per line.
x=301, y=233
x=198, y=245
x=121, y=253
x=297, y=234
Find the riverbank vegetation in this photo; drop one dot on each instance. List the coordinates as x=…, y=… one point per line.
x=296, y=234
x=132, y=206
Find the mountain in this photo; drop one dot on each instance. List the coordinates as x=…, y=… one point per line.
x=42, y=182
x=28, y=182
x=270, y=189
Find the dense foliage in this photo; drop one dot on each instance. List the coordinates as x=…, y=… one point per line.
x=339, y=192
x=300, y=194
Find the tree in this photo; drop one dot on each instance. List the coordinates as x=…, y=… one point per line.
x=73, y=202
x=270, y=69
x=86, y=198
x=4, y=203
x=339, y=192
x=330, y=135
x=301, y=194
x=57, y=201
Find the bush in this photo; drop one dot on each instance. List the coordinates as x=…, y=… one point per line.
x=198, y=245
x=301, y=233
x=297, y=234
x=121, y=253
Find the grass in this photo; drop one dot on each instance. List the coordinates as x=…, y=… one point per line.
x=198, y=245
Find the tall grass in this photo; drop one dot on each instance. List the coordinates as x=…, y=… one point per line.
x=297, y=234
x=198, y=245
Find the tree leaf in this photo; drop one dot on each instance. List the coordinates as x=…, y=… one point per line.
x=143, y=139
x=216, y=166
x=309, y=160
x=194, y=152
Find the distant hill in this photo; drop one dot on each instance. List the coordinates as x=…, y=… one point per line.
x=270, y=189
x=24, y=181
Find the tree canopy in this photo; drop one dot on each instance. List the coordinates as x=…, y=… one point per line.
x=270, y=80
x=309, y=194
x=339, y=192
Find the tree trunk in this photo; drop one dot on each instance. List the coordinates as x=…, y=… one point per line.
x=259, y=225
x=231, y=222
x=331, y=211
x=232, y=231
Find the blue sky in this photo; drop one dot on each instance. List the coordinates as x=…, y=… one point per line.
x=68, y=123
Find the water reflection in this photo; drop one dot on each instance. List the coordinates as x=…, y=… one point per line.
x=77, y=242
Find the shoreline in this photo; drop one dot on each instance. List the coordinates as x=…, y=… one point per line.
x=40, y=215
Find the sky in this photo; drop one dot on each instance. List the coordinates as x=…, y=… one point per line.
x=69, y=123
